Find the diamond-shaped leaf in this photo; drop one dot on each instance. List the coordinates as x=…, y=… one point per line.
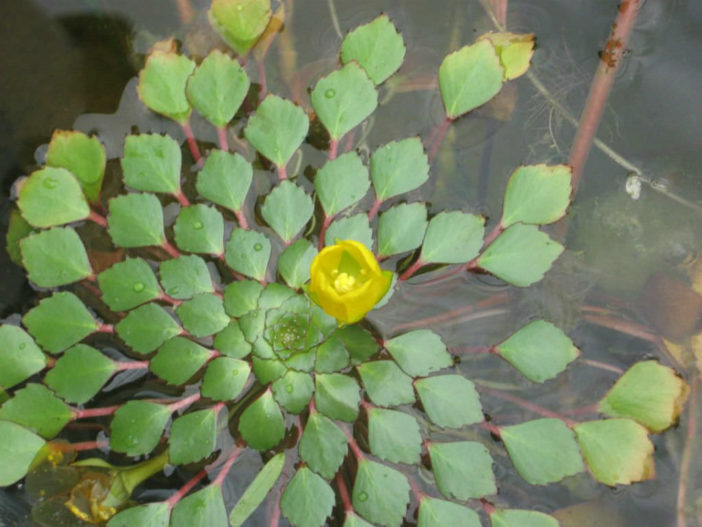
x=38, y=409
x=247, y=252
x=262, y=425
x=323, y=445
x=331, y=356
x=20, y=357
x=453, y=237
x=147, y=327
x=203, y=315
x=419, y=352
x=225, y=378
x=401, y=228
x=267, y=371
x=231, y=341
x=440, y=513
x=398, y=167
x=356, y=227
x=79, y=374
x=341, y=182
x=178, y=360
x=136, y=220
x=337, y=396
x=162, y=84
x=151, y=162
x=241, y=297
x=204, y=508
x=394, y=436
x=385, y=383
x=55, y=257
x=127, y=284
x=294, y=263
x=185, y=277
x=192, y=437
x=307, y=500
x=293, y=391
x=154, y=514
x=254, y=495
x=240, y=22
x=287, y=209
x=451, y=462
x=225, y=179
x=380, y=493
x=137, y=427
x=200, y=229
x=52, y=196
x=521, y=518
x=18, y=448
x=81, y=155
x=360, y=344
x=450, y=400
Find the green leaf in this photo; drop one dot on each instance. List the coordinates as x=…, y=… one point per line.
x=394, y=436
x=200, y=229
x=419, y=352
x=55, y=257
x=20, y=357
x=262, y=425
x=60, y=321
x=450, y=401
x=294, y=263
x=38, y=409
x=323, y=445
x=469, y=78
x=360, y=344
x=515, y=51
x=343, y=99
x=136, y=220
x=137, y=427
x=398, y=167
x=152, y=162
x=453, y=237
x=440, y=513
x=617, y=451
x=539, y=350
x=82, y=156
x=337, y=396
x=185, y=277
x=287, y=209
x=258, y=490
x=225, y=378
x=293, y=391
x=341, y=182
x=331, y=356
x=267, y=371
x=376, y=46
x=241, y=297
x=307, y=500
x=277, y=129
x=225, y=179
x=231, y=342
x=356, y=227
x=451, y=462
x=274, y=295
x=127, y=284
x=204, y=508
x=80, y=373
x=218, y=87
x=543, y=451
x=521, y=518
x=536, y=194
x=17, y=230
x=203, y=315
x=162, y=84
x=18, y=448
x=380, y=493
x=401, y=228
x=353, y=520
x=147, y=327
x=520, y=255
x=632, y=396
x=178, y=360
x=149, y=515
x=240, y=22
x=52, y=196
x=247, y=252
x=193, y=437
x=385, y=383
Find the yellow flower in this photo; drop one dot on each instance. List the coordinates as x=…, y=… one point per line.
x=346, y=281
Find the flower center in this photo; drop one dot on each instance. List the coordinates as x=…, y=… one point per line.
x=345, y=282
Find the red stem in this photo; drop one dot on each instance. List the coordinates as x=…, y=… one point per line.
x=262, y=80
x=358, y=454
x=131, y=365
x=494, y=233
x=182, y=198
x=623, y=326
x=227, y=466
x=493, y=429
x=282, y=173
x=333, y=147
x=95, y=217
x=222, y=138
x=81, y=446
x=95, y=412
x=182, y=403
x=171, y=502
x=411, y=270
x=106, y=328
x=192, y=144
x=488, y=507
x=472, y=349
x=275, y=515
x=172, y=251
x=374, y=209
x=344, y=493
x=524, y=404
x=349, y=140
x=602, y=365
x=326, y=221
x=241, y=218
x=438, y=134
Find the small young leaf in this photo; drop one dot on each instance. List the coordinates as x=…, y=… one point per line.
x=38, y=409
x=147, y=327
x=356, y=227
x=543, y=451
x=149, y=515
x=294, y=263
x=376, y=46
x=341, y=182
x=247, y=252
x=178, y=360
x=162, y=84
x=128, y=284
x=307, y=500
x=257, y=491
x=193, y=437
x=536, y=194
x=262, y=425
x=440, y=513
x=515, y=52
x=81, y=155
x=453, y=237
x=451, y=462
x=231, y=341
x=331, y=356
x=136, y=220
x=360, y=344
x=450, y=401
x=398, y=167
x=79, y=374
x=323, y=445
x=394, y=436
x=225, y=378
x=277, y=129
x=520, y=255
x=240, y=22
x=55, y=257
x=241, y=297
x=419, y=352
x=401, y=228
x=185, y=277
x=225, y=179
x=287, y=209
x=20, y=357
x=18, y=448
x=293, y=391
x=539, y=350
x=137, y=427
x=218, y=87
x=380, y=493
x=469, y=78
x=385, y=383
x=151, y=163
x=343, y=99
x=337, y=396
x=521, y=518
x=51, y=197
x=204, y=508
x=267, y=371
x=60, y=321
x=203, y=315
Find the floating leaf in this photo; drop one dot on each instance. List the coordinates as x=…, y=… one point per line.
x=185, y=277
x=240, y=22
x=539, y=350
x=515, y=51
x=127, y=284
x=287, y=209
x=60, y=321
x=452, y=461
x=376, y=46
x=353, y=520
x=331, y=356
x=247, y=252
x=193, y=437
x=419, y=352
x=543, y=451
x=218, y=87
x=401, y=228
x=203, y=315
x=453, y=237
x=18, y=448
x=356, y=227
x=55, y=257
x=307, y=500
x=337, y=396
x=82, y=156
x=450, y=401
x=241, y=297
x=520, y=255
x=385, y=383
x=231, y=342
x=136, y=220
x=178, y=360
x=341, y=182
x=225, y=378
x=258, y=490
x=162, y=84
x=20, y=357
x=204, y=508
x=469, y=78
x=262, y=425
x=293, y=391
x=380, y=493
x=343, y=99
x=294, y=263
x=267, y=371
x=149, y=515
x=151, y=162
x=440, y=513
x=277, y=129
x=521, y=518
x=147, y=327
x=360, y=344
x=137, y=427
x=394, y=436
x=38, y=409
x=51, y=197
x=225, y=179
x=323, y=445
x=536, y=194
x=80, y=373
x=398, y=167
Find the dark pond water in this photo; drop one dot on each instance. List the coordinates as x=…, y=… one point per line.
x=64, y=61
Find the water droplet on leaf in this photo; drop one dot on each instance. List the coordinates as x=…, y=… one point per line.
x=50, y=182
x=331, y=92
x=198, y=225
x=22, y=345
x=138, y=287
x=362, y=496
x=258, y=246
x=289, y=388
